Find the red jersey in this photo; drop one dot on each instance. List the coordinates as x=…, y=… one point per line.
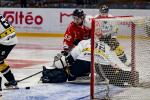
x=74, y=32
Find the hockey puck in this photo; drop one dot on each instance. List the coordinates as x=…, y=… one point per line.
x=28, y=87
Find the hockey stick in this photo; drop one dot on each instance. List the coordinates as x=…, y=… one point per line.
x=29, y=76
x=56, y=58
x=16, y=88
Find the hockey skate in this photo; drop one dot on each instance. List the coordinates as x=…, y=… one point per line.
x=11, y=84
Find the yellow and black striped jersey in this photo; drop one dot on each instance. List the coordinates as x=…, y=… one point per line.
x=7, y=32
x=102, y=54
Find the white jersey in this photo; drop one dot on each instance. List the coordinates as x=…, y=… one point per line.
x=7, y=33
x=103, y=54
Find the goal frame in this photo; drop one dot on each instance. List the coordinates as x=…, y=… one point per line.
x=133, y=60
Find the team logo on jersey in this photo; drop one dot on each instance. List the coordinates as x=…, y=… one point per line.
x=106, y=27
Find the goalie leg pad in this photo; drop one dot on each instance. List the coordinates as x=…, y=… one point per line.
x=80, y=68
x=53, y=75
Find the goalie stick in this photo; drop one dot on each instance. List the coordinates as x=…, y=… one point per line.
x=27, y=87
x=29, y=76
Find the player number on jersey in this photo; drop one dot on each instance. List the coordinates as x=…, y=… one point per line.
x=4, y=22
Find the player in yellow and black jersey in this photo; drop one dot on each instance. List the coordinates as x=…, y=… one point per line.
x=8, y=40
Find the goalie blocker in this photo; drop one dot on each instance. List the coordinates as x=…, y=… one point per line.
x=81, y=68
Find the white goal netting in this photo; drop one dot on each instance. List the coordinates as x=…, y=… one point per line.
x=133, y=35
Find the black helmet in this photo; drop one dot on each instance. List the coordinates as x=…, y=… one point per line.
x=104, y=9
x=78, y=12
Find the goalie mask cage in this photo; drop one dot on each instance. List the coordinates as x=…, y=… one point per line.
x=134, y=35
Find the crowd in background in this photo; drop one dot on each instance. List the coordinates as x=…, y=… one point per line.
x=135, y=4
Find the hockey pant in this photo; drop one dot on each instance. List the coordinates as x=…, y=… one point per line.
x=4, y=67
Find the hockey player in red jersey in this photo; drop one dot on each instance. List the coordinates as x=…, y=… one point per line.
x=111, y=37
x=76, y=31
x=8, y=40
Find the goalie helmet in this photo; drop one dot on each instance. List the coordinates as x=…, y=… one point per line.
x=104, y=9
x=79, y=13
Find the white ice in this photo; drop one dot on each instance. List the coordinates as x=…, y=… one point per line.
x=30, y=54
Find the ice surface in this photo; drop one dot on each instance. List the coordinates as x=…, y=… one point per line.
x=30, y=54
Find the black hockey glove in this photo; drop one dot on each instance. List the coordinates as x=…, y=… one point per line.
x=76, y=42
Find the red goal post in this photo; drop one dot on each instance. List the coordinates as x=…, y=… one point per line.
x=134, y=23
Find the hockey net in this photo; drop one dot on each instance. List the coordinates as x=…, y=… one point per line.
x=133, y=34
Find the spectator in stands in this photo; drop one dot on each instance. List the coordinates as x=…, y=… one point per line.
x=23, y=3
x=80, y=2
